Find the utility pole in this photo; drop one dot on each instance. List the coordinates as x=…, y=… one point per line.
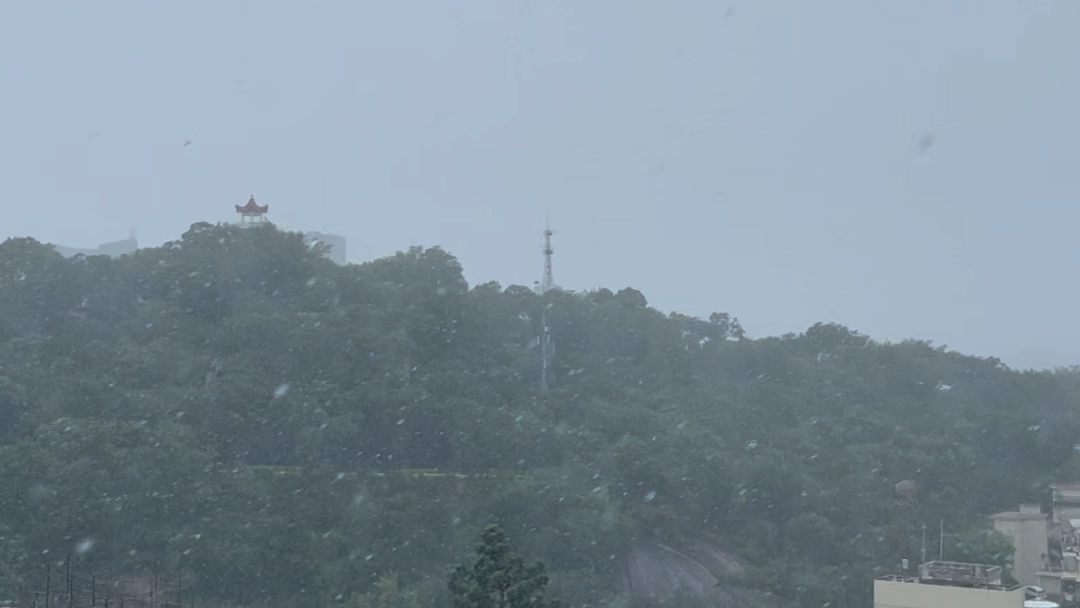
x=941, y=541
x=545, y=337
x=923, y=560
x=70, y=593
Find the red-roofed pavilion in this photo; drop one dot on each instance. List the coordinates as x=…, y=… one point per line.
x=252, y=212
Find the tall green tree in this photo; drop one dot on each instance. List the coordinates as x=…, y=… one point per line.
x=499, y=578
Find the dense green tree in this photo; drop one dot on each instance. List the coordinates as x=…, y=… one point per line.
x=499, y=578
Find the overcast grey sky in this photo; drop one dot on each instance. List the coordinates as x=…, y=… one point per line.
x=907, y=168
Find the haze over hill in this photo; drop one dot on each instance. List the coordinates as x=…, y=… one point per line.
x=905, y=172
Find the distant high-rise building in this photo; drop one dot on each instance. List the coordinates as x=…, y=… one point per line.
x=118, y=248
x=114, y=249
x=335, y=242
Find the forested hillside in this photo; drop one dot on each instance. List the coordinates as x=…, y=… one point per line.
x=236, y=415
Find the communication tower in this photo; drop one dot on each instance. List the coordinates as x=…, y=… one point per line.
x=548, y=281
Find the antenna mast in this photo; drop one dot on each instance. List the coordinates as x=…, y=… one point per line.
x=548, y=282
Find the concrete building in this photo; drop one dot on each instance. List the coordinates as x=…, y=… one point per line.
x=1061, y=576
x=1065, y=502
x=948, y=585
x=1029, y=530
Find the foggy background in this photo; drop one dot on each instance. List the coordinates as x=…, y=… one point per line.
x=905, y=168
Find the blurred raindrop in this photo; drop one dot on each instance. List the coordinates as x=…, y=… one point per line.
x=925, y=143
x=440, y=119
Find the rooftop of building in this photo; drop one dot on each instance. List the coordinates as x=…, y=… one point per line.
x=1018, y=516
x=955, y=574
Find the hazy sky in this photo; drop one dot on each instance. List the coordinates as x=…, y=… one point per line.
x=908, y=168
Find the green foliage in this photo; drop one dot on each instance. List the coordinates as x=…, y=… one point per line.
x=499, y=578
x=276, y=428
x=389, y=593
x=980, y=546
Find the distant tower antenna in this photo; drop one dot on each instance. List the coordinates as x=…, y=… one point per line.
x=548, y=282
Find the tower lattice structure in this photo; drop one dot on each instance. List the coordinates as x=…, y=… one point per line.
x=547, y=348
x=548, y=280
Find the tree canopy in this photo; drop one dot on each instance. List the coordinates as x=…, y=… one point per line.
x=236, y=415
x=499, y=578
